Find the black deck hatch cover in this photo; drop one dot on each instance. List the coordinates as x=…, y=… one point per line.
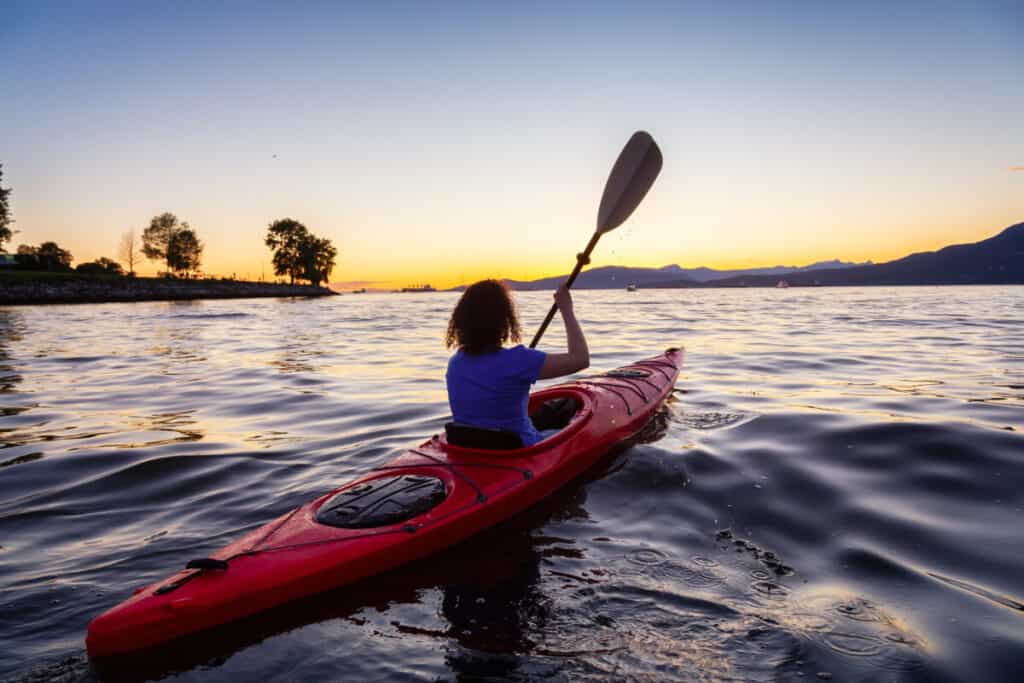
x=382, y=502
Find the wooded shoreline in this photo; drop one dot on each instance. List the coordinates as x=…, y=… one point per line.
x=70, y=290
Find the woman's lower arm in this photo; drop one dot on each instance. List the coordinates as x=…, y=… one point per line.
x=577, y=343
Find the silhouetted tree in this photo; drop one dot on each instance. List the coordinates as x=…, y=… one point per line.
x=5, y=212
x=52, y=257
x=128, y=251
x=286, y=237
x=173, y=241
x=298, y=253
x=318, y=256
x=27, y=257
x=184, y=251
x=158, y=235
x=100, y=265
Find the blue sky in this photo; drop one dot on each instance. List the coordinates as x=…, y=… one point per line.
x=432, y=141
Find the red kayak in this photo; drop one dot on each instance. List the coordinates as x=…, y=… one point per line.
x=427, y=499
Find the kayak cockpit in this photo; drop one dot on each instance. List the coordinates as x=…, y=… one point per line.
x=552, y=415
x=563, y=409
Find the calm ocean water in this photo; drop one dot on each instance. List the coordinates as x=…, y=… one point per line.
x=839, y=490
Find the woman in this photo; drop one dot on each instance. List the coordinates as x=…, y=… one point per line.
x=489, y=385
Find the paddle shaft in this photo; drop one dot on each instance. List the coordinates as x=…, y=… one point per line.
x=580, y=260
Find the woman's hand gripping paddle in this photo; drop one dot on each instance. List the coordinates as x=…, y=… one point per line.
x=632, y=175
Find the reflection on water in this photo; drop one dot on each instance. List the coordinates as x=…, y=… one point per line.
x=11, y=331
x=833, y=489
x=299, y=353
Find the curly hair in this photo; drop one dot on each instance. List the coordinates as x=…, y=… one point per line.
x=484, y=319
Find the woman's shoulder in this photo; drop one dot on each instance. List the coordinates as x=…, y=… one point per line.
x=502, y=356
x=520, y=351
x=461, y=357
x=456, y=359
x=524, y=360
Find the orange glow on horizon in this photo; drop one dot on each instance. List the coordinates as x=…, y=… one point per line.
x=383, y=270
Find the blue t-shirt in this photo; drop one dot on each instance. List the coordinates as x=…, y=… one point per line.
x=493, y=389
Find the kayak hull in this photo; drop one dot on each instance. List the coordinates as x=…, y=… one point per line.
x=296, y=555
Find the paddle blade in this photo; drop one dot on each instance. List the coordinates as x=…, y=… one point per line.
x=632, y=176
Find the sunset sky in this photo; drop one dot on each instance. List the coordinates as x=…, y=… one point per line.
x=442, y=142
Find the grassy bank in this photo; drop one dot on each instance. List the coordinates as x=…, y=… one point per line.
x=23, y=276
x=19, y=287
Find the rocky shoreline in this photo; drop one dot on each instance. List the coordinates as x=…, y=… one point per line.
x=86, y=290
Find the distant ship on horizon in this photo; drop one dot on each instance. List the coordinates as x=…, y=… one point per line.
x=418, y=288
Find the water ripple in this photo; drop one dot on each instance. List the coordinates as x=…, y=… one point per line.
x=833, y=488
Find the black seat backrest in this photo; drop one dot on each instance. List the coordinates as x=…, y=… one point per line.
x=468, y=436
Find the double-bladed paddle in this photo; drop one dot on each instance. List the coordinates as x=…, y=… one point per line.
x=632, y=175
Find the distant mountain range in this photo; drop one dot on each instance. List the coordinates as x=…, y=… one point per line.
x=997, y=260
x=616, y=277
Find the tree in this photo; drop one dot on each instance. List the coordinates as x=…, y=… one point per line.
x=298, y=253
x=128, y=252
x=27, y=257
x=53, y=257
x=184, y=251
x=318, y=256
x=173, y=241
x=100, y=265
x=286, y=237
x=5, y=212
x=157, y=238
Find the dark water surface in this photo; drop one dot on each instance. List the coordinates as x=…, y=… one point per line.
x=839, y=490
